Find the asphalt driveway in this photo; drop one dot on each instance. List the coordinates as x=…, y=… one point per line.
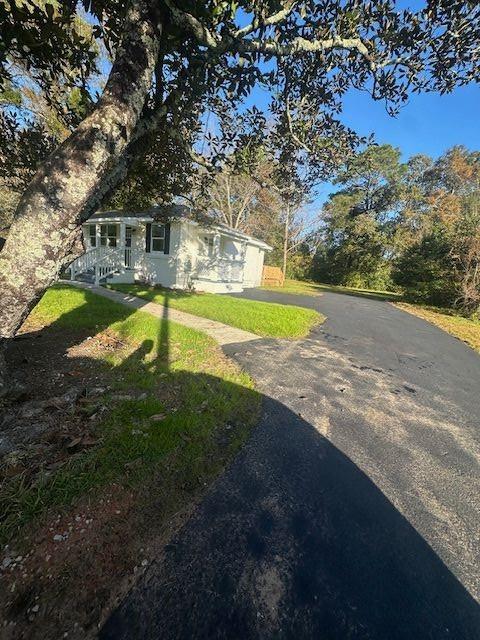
x=353, y=511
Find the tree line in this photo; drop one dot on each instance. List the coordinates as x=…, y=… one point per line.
x=409, y=226
x=412, y=226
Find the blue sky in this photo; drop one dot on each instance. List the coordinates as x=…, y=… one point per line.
x=429, y=123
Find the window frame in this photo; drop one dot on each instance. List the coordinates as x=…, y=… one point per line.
x=154, y=237
x=92, y=237
x=108, y=236
x=208, y=245
x=128, y=236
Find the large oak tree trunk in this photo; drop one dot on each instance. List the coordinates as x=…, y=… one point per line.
x=46, y=232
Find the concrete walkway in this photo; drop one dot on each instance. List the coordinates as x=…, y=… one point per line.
x=222, y=333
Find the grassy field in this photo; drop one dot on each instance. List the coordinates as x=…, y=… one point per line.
x=174, y=373
x=263, y=318
x=316, y=289
x=462, y=328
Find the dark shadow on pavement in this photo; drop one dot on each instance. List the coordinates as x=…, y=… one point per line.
x=295, y=541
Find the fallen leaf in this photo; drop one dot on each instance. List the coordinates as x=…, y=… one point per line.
x=74, y=443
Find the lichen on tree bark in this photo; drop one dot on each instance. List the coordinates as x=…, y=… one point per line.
x=46, y=232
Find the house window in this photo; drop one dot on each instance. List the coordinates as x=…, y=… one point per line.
x=108, y=235
x=157, y=241
x=209, y=245
x=92, y=235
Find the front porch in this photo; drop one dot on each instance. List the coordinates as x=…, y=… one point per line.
x=111, y=252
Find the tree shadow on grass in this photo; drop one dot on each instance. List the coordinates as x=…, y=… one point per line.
x=293, y=541
x=120, y=387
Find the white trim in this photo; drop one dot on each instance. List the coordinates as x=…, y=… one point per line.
x=158, y=255
x=233, y=233
x=129, y=220
x=152, y=238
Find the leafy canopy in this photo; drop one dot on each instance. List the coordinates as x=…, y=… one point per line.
x=306, y=55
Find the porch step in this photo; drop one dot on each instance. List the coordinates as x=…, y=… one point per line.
x=85, y=277
x=127, y=277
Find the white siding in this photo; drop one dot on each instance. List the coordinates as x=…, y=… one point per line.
x=187, y=255
x=227, y=264
x=158, y=268
x=252, y=276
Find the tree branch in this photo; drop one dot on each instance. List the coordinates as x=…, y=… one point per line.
x=302, y=45
x=269, y=46
x=191, y=23
x=290, y=128
x=266, y=22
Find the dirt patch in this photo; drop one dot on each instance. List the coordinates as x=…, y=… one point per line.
x=61, y=383
x=62, y=574
x=89, y=556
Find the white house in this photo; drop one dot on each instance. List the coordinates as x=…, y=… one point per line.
x=163, y=246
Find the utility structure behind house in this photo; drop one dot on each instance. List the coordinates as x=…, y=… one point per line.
x=166, y=247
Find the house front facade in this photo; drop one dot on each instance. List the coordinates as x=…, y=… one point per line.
x=163, y=246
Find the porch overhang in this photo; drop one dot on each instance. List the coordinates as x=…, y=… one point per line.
x=128, y=221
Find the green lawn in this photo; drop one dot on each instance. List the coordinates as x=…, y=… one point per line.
x=263, y=318
x=462, y=328
x=206, y=403
x=300, y=287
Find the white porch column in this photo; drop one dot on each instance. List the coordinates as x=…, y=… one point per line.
x=216, y=244
x=243, y=253
x=97, y=245
x=97, y=235
x=122, y=235
x=123, y=250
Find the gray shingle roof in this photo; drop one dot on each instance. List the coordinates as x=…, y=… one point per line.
x=158, y=211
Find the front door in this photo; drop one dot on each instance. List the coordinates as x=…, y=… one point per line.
x=128, y=237
x=128, y=246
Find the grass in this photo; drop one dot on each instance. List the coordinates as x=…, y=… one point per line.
x=296, y=287
x=209, y=406
x=263, y=318
x=372, y=294
x=462, y=328
x=316, y=289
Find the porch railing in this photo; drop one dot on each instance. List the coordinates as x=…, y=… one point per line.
x=103, y=261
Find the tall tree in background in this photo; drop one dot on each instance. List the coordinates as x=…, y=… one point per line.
x=440, y=263
x=172, y=60
x=360, y=220
x=415, y=225
x=241, y=197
